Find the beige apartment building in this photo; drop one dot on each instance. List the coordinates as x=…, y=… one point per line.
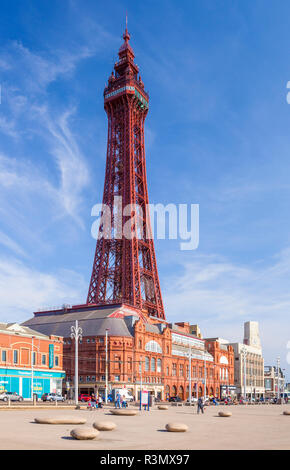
x=249, y=363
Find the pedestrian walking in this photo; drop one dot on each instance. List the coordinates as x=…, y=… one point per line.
x=118, y=401
x=200, y=405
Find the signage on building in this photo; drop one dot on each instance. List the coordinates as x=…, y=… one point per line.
x=51, y=356
x=144, y=397
x=231, y=388
x=268, y=384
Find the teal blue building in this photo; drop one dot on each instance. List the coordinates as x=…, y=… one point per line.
x=19, y=380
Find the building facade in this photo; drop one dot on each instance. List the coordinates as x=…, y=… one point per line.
x=142, y=352
x=30, y=362
x=274, y=381
x=249, y=363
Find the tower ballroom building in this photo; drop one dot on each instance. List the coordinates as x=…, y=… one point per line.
x=127, y=341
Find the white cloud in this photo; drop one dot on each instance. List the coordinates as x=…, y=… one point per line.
x=24, y=290
x=220, y=296
x=11, y=244
x=74, y=173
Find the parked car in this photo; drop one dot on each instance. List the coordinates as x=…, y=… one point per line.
x=84, y=397
x=193, y=400
x=175, y=399
x=52, y=397
x=13, y=396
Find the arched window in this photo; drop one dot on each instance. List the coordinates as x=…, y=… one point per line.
x=153, y=364
x=223, y=360
x=153, y=346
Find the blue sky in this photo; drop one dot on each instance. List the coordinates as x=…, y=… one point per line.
x=217, y=134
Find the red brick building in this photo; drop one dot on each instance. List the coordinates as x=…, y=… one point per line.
x=20, y=348
x=141, y=350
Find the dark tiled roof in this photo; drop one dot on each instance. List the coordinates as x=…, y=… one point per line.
x=153, y=328
x=93, y=323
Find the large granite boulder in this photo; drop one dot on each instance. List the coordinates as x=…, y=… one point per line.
x=60, y=420
x=85, y=433
x=176, y=427
x=123, y=412
x=225, y=414
x=104, y=425
x=162, y=407
x=286, y=413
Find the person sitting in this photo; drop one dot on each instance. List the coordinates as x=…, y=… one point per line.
x=124, y=402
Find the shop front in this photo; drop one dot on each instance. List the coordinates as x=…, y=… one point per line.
x=19, y=381
x=228, y=391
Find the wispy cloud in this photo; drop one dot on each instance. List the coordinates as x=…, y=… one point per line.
x=24, y=289
x=6, y=241
x=221, y=295
x=74, y=173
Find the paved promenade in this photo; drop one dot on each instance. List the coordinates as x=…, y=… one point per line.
x=250, y=427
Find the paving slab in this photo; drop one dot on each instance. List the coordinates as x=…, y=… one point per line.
x=253, y=427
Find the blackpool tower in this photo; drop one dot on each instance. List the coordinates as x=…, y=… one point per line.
x=124, y=268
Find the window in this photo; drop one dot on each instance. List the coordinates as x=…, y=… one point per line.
x=103, y=378
x=146, y=364
x=56, y=362
x=4, y=356
x=117, y=378
x=34, y=358
x=88, y=340
x=43, y=359
x=88, y=378
x=93, y=378
x=159, y=365
x=15, y=356
x=153, y=364
x=101, y=340
x=174, y=369
x=153, y=346
x=181, y=370
x=167, y=370
x=81, y=378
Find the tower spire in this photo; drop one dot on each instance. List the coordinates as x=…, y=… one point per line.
x=124, y=268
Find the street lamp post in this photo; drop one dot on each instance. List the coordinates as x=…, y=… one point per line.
x=32, y=371
x=189, y=376
x=140, y=370
x=204, y=395
x=278, y=379
x=244, y=353
x=76, y=334
x=106, y=390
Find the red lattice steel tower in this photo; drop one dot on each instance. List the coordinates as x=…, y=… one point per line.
x=124, y=269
